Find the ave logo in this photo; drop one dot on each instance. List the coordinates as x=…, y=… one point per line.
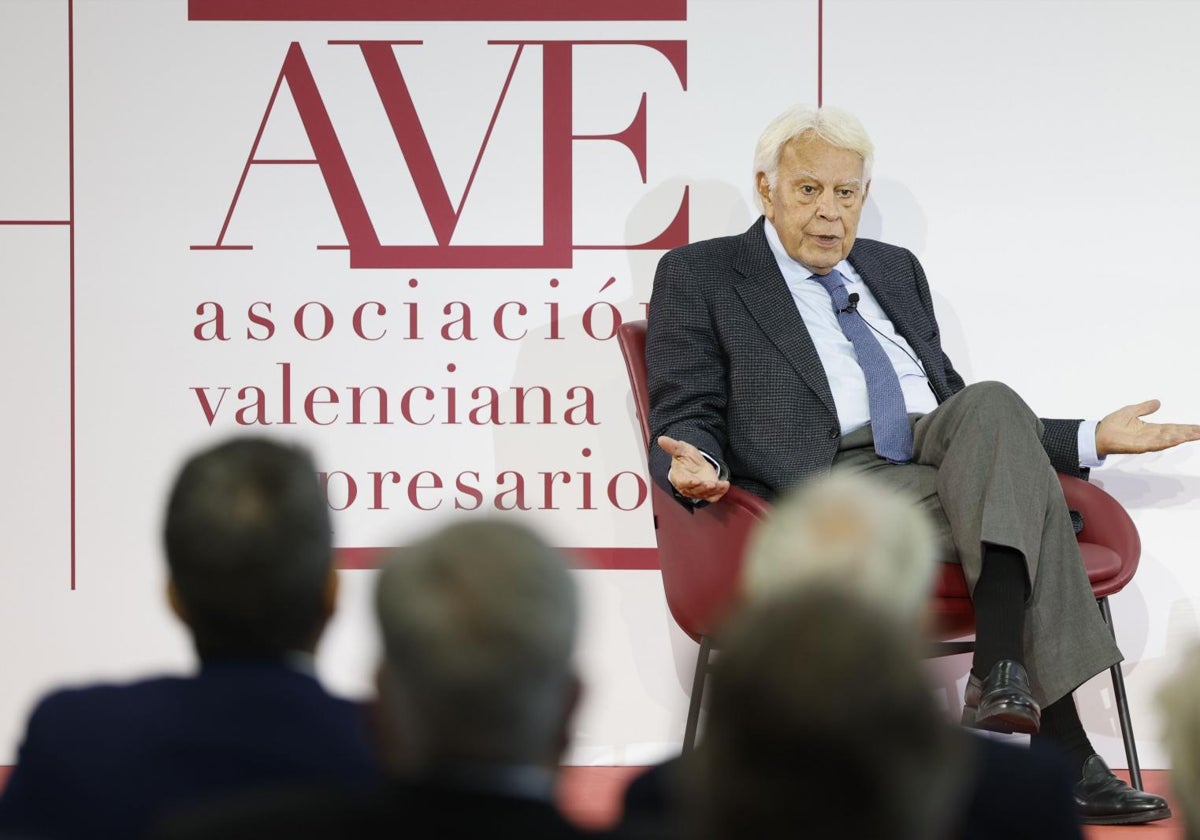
x=547, y=129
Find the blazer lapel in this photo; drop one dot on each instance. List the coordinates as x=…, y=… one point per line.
x=872, y=273
x=762, y=288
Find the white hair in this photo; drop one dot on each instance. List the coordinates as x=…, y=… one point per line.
x=1177, y=698
x=479, y=622
x=834, y=126
x=848, y=531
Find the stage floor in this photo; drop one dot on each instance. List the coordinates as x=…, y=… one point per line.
x=591, y=796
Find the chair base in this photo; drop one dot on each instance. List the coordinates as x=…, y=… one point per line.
x=703, y=666
x=1122, y=702
x=1121, y=696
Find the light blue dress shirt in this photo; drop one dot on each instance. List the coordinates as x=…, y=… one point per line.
x=846, y=379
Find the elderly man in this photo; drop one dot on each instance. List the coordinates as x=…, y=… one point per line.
x=794, y=348
x=251, y=575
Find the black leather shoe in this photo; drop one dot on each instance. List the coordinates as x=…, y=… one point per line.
x=1003, y=702
x=1103, y=799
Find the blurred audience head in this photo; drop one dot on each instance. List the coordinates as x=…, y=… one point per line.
x=1179, y=700
x=821, y=723
x=248, y=546
x=479, y=624
x=848, y=531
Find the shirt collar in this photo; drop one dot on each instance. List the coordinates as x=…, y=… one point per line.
x=793, y=270
x=301, y=662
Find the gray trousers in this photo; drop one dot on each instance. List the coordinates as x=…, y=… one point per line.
x=980, y=471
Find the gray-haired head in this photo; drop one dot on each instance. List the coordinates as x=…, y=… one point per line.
x=1179, y=701
x=848, y=531
x=834, y=126
x=819, y=706
x=479, y=622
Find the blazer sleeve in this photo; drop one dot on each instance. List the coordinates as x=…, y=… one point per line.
x=1060, y=438
x=953, y=381
x=686, y=367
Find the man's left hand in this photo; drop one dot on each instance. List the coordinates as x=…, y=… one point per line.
x=1124, y=431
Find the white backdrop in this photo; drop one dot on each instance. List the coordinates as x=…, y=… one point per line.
x=1033, y=154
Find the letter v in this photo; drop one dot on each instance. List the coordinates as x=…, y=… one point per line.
x=410, y=135
x=210, y=411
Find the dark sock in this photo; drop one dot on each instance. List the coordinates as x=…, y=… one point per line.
x=999, y=599
x=1061, y=726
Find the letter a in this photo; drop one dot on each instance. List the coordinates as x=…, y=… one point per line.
x=327, y=151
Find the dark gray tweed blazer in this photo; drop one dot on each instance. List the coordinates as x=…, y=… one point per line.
x=732, y=368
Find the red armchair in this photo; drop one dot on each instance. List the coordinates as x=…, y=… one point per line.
x=700, y=553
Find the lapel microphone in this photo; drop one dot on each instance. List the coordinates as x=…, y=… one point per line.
x=852, y=306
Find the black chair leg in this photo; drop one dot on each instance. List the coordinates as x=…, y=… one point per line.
x=1122, y=700
x=693, y=718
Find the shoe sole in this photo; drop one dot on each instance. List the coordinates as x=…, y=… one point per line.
x=1006, y=717
x=969, y=713
x=1128, y=819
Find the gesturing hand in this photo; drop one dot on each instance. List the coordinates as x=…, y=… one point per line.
x=692, y=475
x=1124, y=431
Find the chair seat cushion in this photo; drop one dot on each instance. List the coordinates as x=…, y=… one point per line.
x=1100, y=561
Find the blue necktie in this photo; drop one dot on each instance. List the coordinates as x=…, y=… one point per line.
x=889, y=417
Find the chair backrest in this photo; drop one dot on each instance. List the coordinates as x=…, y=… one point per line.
x=631, y=337
x=699, y=549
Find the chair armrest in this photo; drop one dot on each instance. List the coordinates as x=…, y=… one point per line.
x=701, y=551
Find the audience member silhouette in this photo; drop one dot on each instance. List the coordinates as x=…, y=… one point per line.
x=821, y=724
x=476, y=691
x=248, y=548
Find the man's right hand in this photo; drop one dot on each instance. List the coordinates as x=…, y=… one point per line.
x=692, y=475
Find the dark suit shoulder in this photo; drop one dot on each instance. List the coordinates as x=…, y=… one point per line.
x=175, y=696
x=206, y=720
x=413, y=811
x=122, y=754
x=883, y=262
x=99, y=706
x=873, y=247
x=706, y=260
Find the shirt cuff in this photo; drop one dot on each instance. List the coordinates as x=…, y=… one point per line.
x=1087, y=444
x=716, y=464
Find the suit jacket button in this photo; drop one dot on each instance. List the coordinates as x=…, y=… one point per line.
x=834, y=432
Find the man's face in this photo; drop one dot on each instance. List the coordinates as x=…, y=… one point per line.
x=817, y=200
